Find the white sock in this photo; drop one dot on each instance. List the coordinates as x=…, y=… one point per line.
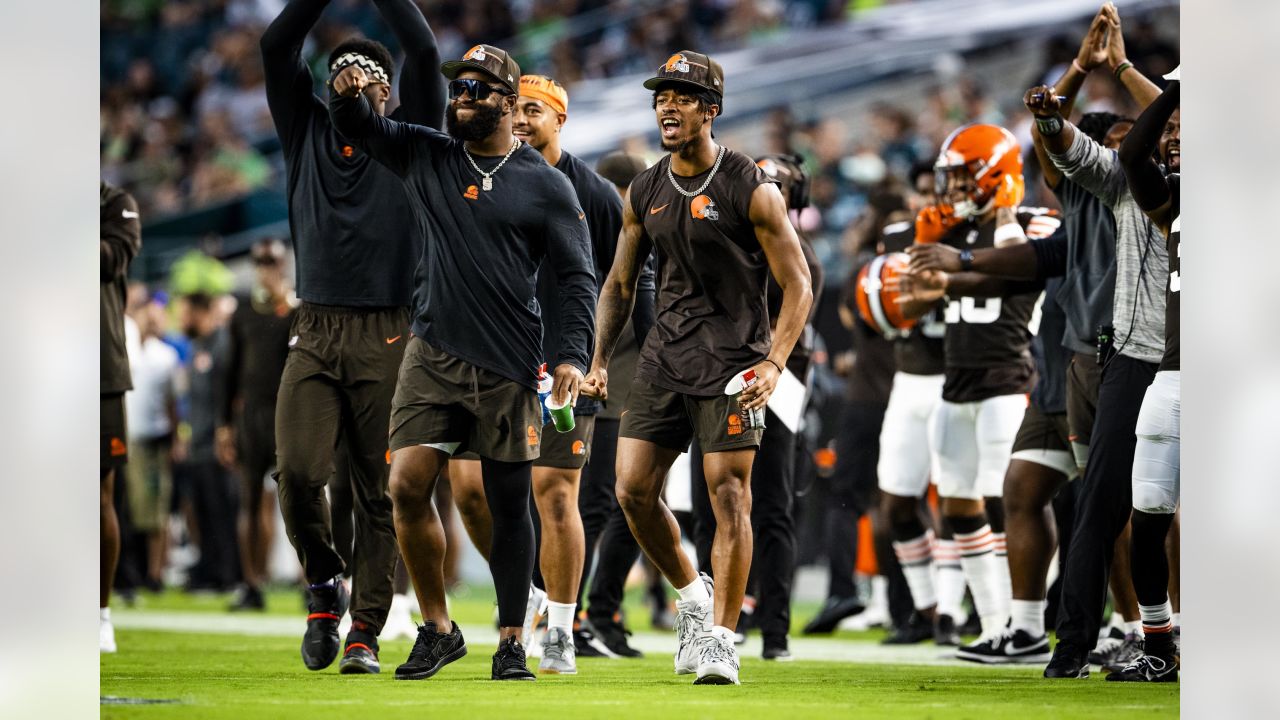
x=560, y=615
x=1177, y=619
x=1133, y=626
x=104, y=614
x=980, y=570
x=1001, y=554
x=946, y=558
x=1157, y=618
x=695, y=591
x=1028, y=615
x=879, y=593
x=916, y=558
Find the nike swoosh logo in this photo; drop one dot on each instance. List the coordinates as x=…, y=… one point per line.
x=129, y=214
x=1015, y=649
x=391, y=340
x=655, y=211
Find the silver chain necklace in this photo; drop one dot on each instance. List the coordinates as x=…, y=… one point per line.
x=671, y=176
x=487, y=182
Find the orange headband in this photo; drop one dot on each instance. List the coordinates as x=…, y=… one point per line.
x=542, y=88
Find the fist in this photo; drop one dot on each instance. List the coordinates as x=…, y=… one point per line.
x=596, y=384
x=1011, y=191
x=351, y=81
x=1042, y=101
x=934, y=222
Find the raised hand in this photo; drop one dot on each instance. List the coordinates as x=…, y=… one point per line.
x=933, y=222
x=351, y=81
x=1042, y=101
x=1093, y=48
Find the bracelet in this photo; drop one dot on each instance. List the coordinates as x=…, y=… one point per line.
x=1049, y=126
x=1122, y=67
x=774, y=364
x=1076, y=64
x=966, y=260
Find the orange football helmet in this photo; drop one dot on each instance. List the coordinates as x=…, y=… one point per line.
x=982, y=162
x=875, y=301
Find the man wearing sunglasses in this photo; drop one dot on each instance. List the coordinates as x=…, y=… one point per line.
x=355, y=246
x=720, y=224
x=493, y=211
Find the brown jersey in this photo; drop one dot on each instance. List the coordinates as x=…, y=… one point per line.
x=919, y=351
x=988, y=340
x=712, y=319
x=1172, y=359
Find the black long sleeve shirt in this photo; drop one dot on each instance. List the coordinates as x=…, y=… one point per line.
x=479, y=267
x=353, y=233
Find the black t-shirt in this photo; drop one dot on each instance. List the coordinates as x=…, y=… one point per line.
x=1172, y=359
x=921, y=350
x=988, y=340
x=258, y=345
x=119, y=241
x=479, y=269
x=712, y=321
x=1087, y=292
x=354, y=240
x=1052, y=357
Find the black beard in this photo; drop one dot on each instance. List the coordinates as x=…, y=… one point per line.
x=483, y=124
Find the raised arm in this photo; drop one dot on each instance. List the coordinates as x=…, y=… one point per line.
x=782, y=250
x=119, y=237
x=288, y=80
x=1033, y=260
x=617, y=298
x=1139, y=87
x=1148, y=184
x=422, y=90
x=389, y=142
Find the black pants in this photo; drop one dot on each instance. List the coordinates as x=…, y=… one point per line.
x=772, y=524
x=213, y=493
x=604, y=526
x=1104, y=503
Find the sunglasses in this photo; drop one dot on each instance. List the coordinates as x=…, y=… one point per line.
x=475, y=89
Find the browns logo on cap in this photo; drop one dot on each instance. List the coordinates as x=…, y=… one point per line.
x=492, y=61
x=690, y=67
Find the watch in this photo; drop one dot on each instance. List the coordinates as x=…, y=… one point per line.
x=966, y=260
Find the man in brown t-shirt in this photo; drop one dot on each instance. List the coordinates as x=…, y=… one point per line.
x=720, y=226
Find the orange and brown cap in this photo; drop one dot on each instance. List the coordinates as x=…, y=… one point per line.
x=690, y=67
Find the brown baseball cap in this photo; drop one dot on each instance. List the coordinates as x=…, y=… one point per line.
x=690, y=67
x=489, y=60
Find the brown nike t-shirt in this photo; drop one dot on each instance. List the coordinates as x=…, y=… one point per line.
x=712, y=318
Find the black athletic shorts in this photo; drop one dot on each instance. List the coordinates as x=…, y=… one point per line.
x=569, y=450
x=111, y=428
x=671, y=420
x=443, y=401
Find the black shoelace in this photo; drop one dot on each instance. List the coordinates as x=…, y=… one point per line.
x=512, y=656
x=425, y=646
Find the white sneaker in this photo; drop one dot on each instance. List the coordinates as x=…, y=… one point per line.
x=693, y=621
x=559, y=656
x=534, y=609
x=717, y=660
x=399, y=623
x=106, y=636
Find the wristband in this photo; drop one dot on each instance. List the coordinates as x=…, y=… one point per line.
x=774, y=364
x=1122, y=67
x=966, y=260
x=1049, y=126
x=1076, y=64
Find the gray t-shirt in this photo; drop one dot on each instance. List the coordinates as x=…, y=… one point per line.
x=1142, y=260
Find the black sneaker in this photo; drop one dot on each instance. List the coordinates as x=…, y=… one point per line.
x=325, y=607
x=432, y=651
x=1105, y=651
x=614, y=637
x=248, y=599
x=835, y=610
x=587, y=644
x=509, y=662
x=972, y=626
x=1009, y=646
x=917, y=630
x=360, y=657
x=1067, y=662
x=1126, y=653
x=944, y=631
x=776, y=650
x=1148, y=668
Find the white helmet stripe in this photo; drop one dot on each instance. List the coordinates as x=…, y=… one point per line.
x=875, y=300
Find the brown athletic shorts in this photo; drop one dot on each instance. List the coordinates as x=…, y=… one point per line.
x=111, y=428
x=671, y=419
x=441, y=400
x=569, y=450
x=1042, y=439
x=1084, y=378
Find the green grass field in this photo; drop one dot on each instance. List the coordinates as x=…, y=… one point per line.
x=225, y=675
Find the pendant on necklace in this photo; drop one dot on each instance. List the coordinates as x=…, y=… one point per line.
x=486, y=184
